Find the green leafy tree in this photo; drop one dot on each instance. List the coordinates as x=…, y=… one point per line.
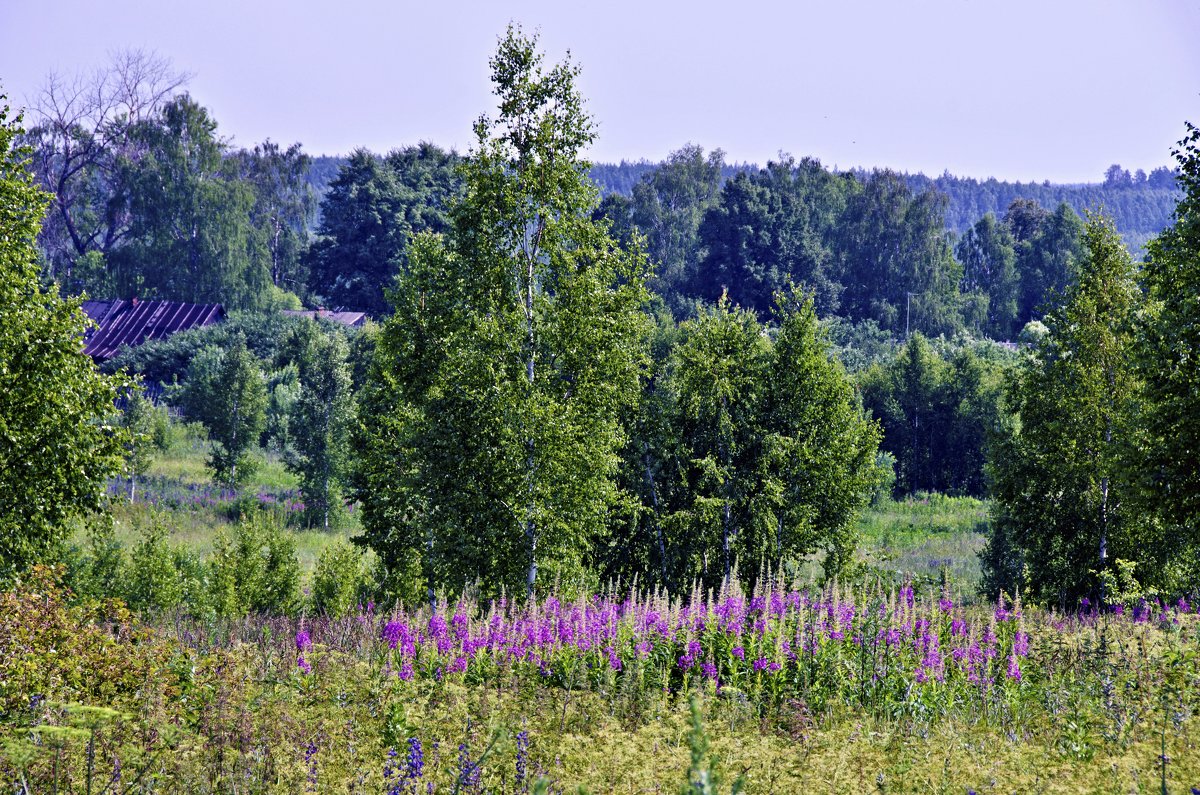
x=373, y=208
x=60, y=441
x=139, y=419
x=667, y=207
x=254, y=570
x=938, y=410
x=989, y=267
x=818, y=466
x=82, y=144
x=1169, y=361
x=284, y=205
x=718, y=377
x=491, y=428
x=771, y=229
x=233, y=406
x=339, y=580
x=756, y=449
x=1064, y=496
x=153, y=582
x=190, y=236
x=320, y=419
x=1048, y=247
x=894, y=259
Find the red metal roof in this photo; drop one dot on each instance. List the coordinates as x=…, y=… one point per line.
x=133, y=322
x=345, y=318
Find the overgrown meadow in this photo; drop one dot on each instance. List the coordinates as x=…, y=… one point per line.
x=864, y=688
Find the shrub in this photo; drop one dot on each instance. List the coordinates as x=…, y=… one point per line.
x=339, y=581
x=256, y=570
x=153, y=581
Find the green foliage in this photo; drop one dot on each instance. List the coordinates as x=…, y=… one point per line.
x=771, y=229
x=744, y=448
x=490, y=431
x=894, y=261
x=254, y=571
x=232, y=404
x=339, y=581
x=283, y=389
x=190, y=236
x=703, y=776
x=937, y=411
x=668, y=206
x=1169, y=362
x=167, y=360
x=59, y=439
x=152, y=582
x=1065, y=500
x=371, y=211
x=144, y=425
x=989, y=268
x=319, y=421
x=1048, y=247
x=284, y=204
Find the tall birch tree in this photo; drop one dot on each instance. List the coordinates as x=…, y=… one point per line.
x=491, y=432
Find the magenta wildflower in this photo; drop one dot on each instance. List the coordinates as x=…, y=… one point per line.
x=303, y=641
x=739, y=652
x=1014, y=668
x=303, y=665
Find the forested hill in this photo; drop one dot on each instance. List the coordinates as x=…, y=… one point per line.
x=1138, y=203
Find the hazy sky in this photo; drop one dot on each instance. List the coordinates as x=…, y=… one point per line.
x=1016, y=89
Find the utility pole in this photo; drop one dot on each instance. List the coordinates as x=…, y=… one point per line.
x=907, y=311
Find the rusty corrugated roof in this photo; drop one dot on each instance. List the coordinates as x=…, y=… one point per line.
x=133, y=322
x=352, y=319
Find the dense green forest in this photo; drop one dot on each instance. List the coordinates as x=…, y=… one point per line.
x=714, y=460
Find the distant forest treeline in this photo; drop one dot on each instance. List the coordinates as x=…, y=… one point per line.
x=1140, y=204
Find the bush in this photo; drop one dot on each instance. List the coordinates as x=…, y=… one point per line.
x=98, y=571
x=256, y=570
x=339, y=582
x=153, y=581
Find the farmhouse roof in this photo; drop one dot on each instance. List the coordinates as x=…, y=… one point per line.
x=133, y=322
x=352, y=319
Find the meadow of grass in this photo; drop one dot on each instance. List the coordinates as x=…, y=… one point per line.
x=922, y=536
x=178, y=492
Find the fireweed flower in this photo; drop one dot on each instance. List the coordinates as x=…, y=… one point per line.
x=1014, y=668
x=739, y=652
x=303, y=665
x=303, y=641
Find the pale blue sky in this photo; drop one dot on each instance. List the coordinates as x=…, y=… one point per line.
x=1020, y=89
